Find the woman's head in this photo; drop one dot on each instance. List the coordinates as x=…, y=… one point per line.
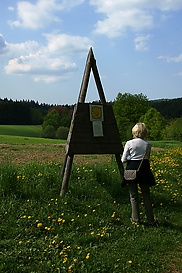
x=139, y=130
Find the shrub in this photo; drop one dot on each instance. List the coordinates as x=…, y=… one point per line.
x=48, y=131
x=62, y=132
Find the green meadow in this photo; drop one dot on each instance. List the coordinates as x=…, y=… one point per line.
x=88, y=229
x=21, y=130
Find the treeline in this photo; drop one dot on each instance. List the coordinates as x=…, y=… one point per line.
x=169, y=108
x=32, y=113
x=28, y=112
x=162, y=117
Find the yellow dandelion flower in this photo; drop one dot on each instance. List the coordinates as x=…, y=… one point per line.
x=130, y=262
x=65, y=260
x=87, y=256
x=70, y=268
x=39, y=224
x=48, y=228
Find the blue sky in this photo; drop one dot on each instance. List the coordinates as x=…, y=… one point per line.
x=44, y=45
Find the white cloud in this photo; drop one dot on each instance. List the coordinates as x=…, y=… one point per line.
x=141, y=42
x=171, y=59
x=11, y=8
x=67, y=43
x=17, y=66
x=136, y=15
x=40, y=67
x=14, y=50
x=168, y=59
x=119, y=21
x=48, y=63
x=42, y=13
x=2, y=44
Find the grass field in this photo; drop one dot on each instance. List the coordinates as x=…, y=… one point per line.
x=21, y=130
x=89, y=229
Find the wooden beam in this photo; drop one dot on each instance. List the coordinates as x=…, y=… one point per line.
x=85, y=80
x=66, y=176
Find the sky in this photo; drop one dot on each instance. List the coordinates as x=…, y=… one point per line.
x=44, y=45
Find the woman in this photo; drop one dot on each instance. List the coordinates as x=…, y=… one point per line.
x=133, y=153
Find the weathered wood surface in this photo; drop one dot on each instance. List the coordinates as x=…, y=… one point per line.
x=81, y=139
x=91, y=64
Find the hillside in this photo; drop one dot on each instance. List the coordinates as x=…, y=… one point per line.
x=169, y=108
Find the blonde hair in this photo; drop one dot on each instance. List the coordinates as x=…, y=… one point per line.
x=139, y=130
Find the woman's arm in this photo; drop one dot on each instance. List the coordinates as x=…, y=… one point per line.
x=126, y=153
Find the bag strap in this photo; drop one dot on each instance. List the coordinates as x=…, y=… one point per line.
x=142, y=159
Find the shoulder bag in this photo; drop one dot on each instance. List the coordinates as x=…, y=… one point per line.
x=132, y=174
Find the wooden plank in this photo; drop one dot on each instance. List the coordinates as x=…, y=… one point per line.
x=84, y=148
x=81, y=139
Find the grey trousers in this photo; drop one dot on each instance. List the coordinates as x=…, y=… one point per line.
x=133, y=191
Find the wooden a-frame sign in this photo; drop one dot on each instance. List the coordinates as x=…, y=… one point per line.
x=93, y=128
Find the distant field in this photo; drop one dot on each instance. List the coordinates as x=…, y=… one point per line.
x=167, y=144
x=21, y=130
x=8, y=139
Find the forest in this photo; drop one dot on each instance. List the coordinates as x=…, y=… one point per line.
x=163, y=117
x=27, y=112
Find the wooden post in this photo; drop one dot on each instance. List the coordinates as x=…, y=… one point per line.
x=66, y=170
x=66, y=176
x=64, y=164
x=98, y=81
x=85, y=79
